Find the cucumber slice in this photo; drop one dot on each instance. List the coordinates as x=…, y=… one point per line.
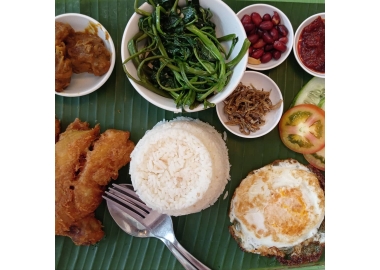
x=321, y=104
x=312, y=93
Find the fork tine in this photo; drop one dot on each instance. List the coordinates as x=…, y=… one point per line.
x=123, y=208
x=130, y=195
x=125, y=201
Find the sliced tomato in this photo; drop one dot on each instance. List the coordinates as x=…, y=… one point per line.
x=317, y=159
x=302, y=128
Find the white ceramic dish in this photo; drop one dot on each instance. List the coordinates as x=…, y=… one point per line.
x=86, y=83
x=259, y=81
x=296, y=40
x=263, y=9
x=224, y=26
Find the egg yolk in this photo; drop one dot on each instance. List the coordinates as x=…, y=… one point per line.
x=286, y=213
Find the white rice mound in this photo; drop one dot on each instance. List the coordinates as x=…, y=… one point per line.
x=180, y=166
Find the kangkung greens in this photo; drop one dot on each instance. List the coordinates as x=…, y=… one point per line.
x=178, y=55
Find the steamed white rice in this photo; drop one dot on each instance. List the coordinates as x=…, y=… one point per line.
x=180, y=166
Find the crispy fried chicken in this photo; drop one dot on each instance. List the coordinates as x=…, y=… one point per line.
x=85, y=162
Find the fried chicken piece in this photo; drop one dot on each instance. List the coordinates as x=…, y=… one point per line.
x=78, y=125
x=57, y=129
x=110, y=153
x=85, y=163
x=86, y=231
x=88, y=53
x=70, y=152
x=63, y=66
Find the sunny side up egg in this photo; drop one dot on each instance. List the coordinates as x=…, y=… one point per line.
x=277, y=207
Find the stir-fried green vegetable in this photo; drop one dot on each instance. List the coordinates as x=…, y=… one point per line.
x=177, y=54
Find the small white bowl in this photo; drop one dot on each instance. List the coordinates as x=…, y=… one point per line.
x=85, y=83
x=259, y=81
x=263, y=9
x=296, y=40
x=226, y=23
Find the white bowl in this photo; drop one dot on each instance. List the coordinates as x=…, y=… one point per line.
x=263, y=9
x=86, y=83
x=296, y=40
x=226, y=23
x=259, y=81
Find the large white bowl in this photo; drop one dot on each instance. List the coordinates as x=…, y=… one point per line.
x=86, y=83
x=226, y=23
x=263, y=9
x=259, y=81
x=296, y=40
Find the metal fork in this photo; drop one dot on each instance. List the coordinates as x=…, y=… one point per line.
x=156, y=224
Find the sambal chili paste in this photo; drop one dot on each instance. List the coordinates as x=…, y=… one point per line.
x=311, y=46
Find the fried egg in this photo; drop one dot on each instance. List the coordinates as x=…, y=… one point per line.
x=276, y=208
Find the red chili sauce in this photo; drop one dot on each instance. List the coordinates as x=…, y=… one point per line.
x=311, y=46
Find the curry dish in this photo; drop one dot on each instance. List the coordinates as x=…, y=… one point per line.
x=63, y=67
x=78, y=52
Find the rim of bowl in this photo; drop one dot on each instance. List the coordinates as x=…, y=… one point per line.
x=291, y=30
x=295, y=44
x=252, y=135
x=112, y=51
x=200, y=107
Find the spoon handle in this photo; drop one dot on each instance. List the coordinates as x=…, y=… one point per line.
x=183, y=256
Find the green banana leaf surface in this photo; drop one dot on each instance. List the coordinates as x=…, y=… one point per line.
x=117, y=105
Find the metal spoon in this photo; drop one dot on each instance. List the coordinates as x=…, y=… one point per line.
x=135, y=228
